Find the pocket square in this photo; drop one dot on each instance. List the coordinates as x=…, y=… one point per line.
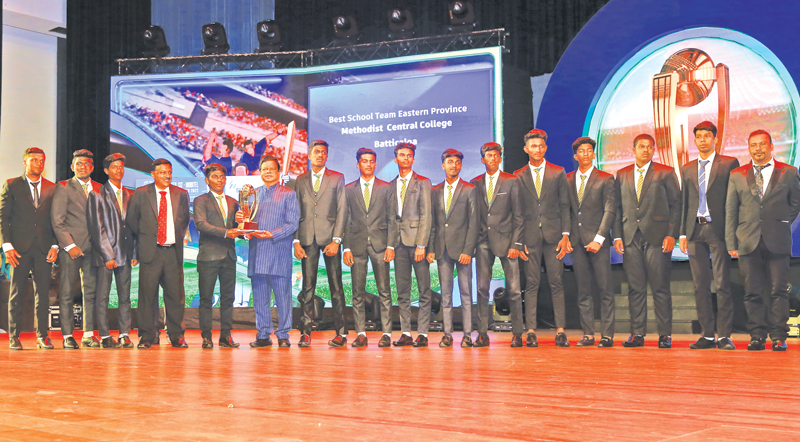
x=785, y=221
x=502, y=193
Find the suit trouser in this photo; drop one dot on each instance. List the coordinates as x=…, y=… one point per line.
x=166, y=271
x=533, y=275
x=644, y=262
x=333, y=267
x=380, y=270
x=122, y=276
x=446, y=265
x=403, y=262
x=759, y=268
x=72, y=271
x=208, y=271
x=484, y=263
x=598, y=264
x=704, y=241
x=263, y=287
x=31, y=261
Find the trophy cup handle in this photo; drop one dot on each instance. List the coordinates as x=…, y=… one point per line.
x=724, y=103
x=669, y=141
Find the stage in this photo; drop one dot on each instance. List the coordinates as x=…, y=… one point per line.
x=407, y=394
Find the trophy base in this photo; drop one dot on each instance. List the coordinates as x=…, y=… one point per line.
x=248, y=225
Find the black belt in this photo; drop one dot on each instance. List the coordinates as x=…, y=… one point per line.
x=703, y=219
x=162, y=246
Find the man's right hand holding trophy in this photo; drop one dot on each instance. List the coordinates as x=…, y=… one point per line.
x=248, y=207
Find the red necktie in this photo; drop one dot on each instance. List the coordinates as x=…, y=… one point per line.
x=162, y=218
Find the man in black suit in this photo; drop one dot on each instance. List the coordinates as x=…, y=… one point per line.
x=763, y=202
x=158, y=215
x=113, y=250
x=545, y=197
x=370, y=234
x=647, y=223
x=592, y=210
x=705, y=188
x=75, y=257
x=502, y=218
x=214, y=218
x=452, y=242
x=28, y=243
x=323, y=207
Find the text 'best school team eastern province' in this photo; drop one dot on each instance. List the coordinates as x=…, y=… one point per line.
x=539, y=213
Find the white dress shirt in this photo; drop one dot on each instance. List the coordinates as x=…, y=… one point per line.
x=7, y=245
x=766, y=173
x=636, y=178
x=598, y=238
x=399, y=187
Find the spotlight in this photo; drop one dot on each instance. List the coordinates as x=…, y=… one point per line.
x=462, y=17
x=345, y=31
x=401, y=24
x=155, y=42
x=269, y=36
x=215, y=39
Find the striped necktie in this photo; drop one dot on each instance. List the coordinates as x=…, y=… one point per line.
x=119, y=201
x=366, y=195
x=490, y=190
x=702, y=206
x=403, y=189
x=582, y=188
x=639, y=183
x=538, y=182
x=222, y=208
x=449, y=200
x=85, y=188
x=317, y=178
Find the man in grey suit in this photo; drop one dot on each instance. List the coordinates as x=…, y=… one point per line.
x=545, y=197
x=75, y=256
x=592, y=210
x=413, y=193
x=452, y=242
x=647, y=223
x=214, y=218
x=158, y=215
x=501, y=225
x=371, y=233
x=113, y=250
x=763, y=202
x=705, y=188
x=323, y=207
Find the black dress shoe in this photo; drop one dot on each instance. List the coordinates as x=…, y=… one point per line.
x=90, y=342
x=125, y=342
x=144, y=344
x=725, y=344
x=778, y=345
x=516, y=341
x=586, y=341
x=284, y=343
x=15, y=344
x=665, y=341
x=109, y=342
x=361, y=341
x=757, y=343
x=156, y=341
x=208, y=343
x=634, y=341
x=446, y=342
x=466, y=341
x=258, y=343
x=227, y=342
x=703, y=344
x=305, y=341
x=404, y=341
x=605, y=342
x=44, y=343
x=70, y=343
x=386, y=341
x=421, y=341
x=531, y=340
x=180, y=343
x=561, y=340
x=482, y=341
x=338, y=341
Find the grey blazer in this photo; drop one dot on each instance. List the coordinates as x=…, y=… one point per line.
x=208, y=220
x=501, y=223
x=658, y=212
x=716, y=193
x=551, y=210
x=595, y=215
x=322, y=214
x=142, y=216
x=69, y=213
x=456, y=232
x=415, y=223
x=376, y=227
x=112, y=238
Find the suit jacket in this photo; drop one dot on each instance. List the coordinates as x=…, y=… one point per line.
x=501, y=223
x=748, y=218
x=657, y=214
x=595, y=215
x=69, y=213
x=716, y=193
x=277, y=212
x=551, y=210
x=142, y=217
x=214, y=245
x=322, y=214
x=111, y=236
x=456, y=232
x=22, y=224
x=415, y=223
x=376, y=227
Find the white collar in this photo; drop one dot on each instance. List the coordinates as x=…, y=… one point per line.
x=320, y=173
x=588, y=172
x=540, y=167
x=363, y=181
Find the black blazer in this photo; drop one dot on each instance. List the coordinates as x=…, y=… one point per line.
x=457, y=232
x=716, y=194
x=595, y=215
x=503, y=222
x=322, y=214
x=657, y=213
x=112, y=238
x=551, y=210
x=376, y=227
x=142, y=217
x=213, y=244
x=21, y=224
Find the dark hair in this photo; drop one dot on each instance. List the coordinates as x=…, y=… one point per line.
x=759, y=132
x=535, y=133
x=83, y=153
x=706, y=125
x=402, y=145
x=491, y=146
x=159, y=162
x=644, y=137
x=318, y=143
x=214, y=167
x=30, y=151
x=248, y=141
x=236, y=166
x=228, y=143
x=114, y=157
x=365, y=151
x=266, y=158
x=582, y=140
x=452, y=153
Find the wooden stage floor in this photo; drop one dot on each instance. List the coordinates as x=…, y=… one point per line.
x=403, y=394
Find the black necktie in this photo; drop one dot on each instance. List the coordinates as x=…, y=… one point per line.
x=35, y=194
x=760, y=180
